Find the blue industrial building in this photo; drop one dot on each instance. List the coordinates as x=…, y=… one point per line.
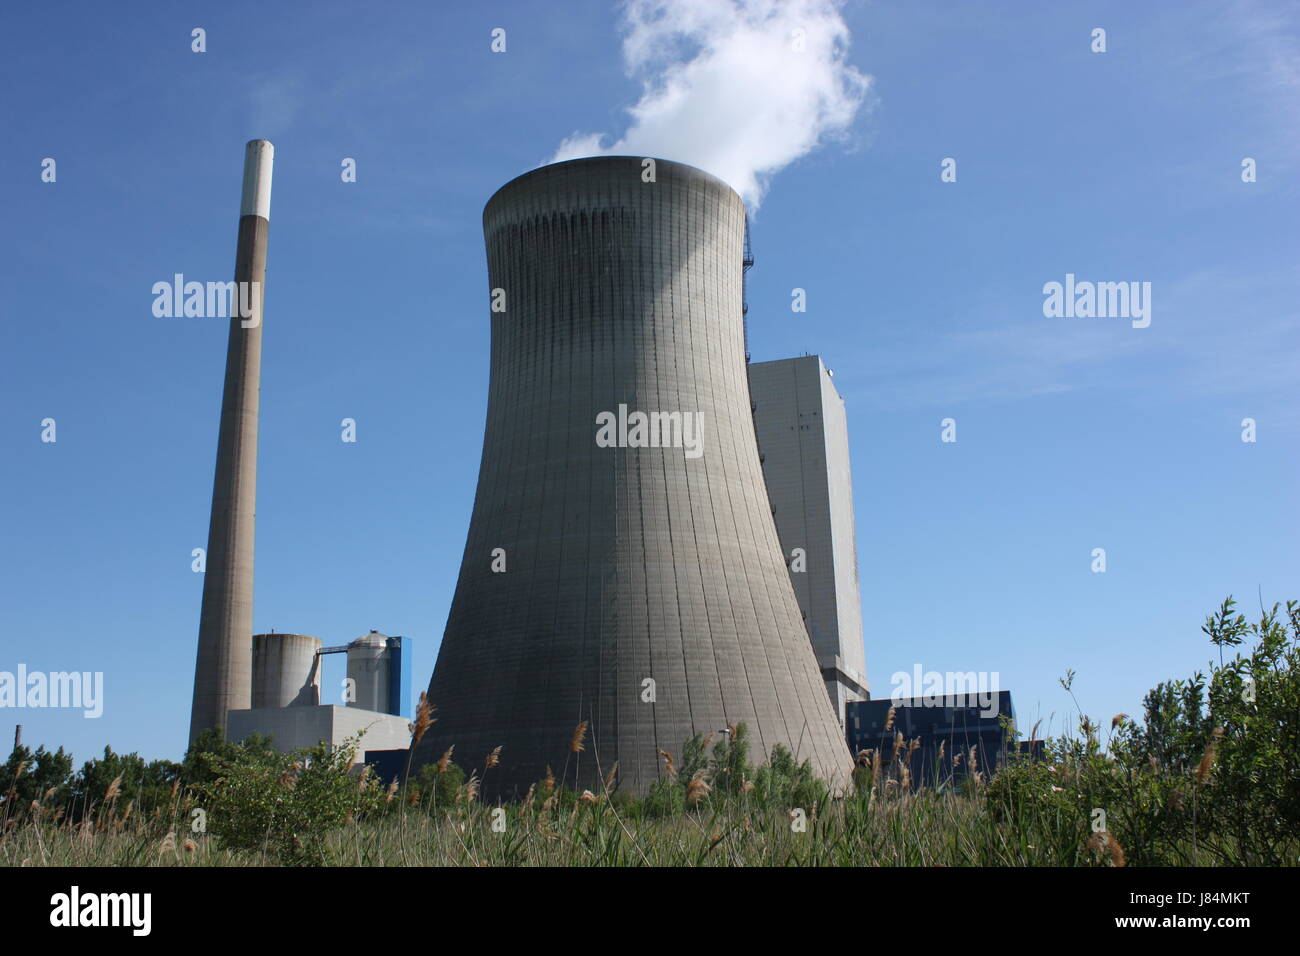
x=943, y=738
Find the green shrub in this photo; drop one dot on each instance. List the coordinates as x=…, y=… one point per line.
x=288, y=804
x=439, y=788
x=781, y=784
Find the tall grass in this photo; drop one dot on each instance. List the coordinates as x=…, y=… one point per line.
x=881, y=824
x=1210, y=777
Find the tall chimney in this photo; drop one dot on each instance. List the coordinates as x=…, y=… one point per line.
x=223, y=673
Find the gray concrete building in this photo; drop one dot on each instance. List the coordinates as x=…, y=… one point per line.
x=803, y=442
x=622, y=568
x=296, y=728
x=287, y=693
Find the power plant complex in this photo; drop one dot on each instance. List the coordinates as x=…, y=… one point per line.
x=270, y=683
x=662, y=540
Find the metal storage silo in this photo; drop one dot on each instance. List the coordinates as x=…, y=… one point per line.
x=369, y=667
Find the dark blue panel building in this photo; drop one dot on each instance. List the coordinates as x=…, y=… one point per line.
x=943, y=737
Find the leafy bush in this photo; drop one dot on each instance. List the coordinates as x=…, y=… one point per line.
x=781, y=783
x=210, y=747
x=438, y=787
x=1211, y=773
x=287, y=803
x=29, y=774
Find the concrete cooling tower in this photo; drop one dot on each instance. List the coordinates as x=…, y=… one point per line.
x=622, y=566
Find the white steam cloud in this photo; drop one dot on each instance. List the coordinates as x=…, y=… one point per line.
x=740, y=88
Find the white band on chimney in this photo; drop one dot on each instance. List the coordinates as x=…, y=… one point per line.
x=256, y=200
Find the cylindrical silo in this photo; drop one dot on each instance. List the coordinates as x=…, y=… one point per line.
x=622, y=567
x=369, y=667
x=286, y=670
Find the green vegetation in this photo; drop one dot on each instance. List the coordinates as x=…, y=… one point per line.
x=1209, y=776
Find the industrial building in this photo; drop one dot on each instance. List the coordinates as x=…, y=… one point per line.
x=803, y=443
x=270, y=683
x=633, y=589
x=957, y=734
x=624, y=586
x=287, y=701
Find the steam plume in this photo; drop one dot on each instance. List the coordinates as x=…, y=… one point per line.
x=740, y=88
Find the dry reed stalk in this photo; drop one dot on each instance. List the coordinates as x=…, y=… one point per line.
x=470, y=790
x=1207, y=759
x=1104, y=842
x=697, y=789
x=668, y=764
x=423, y=718
x=579, y=735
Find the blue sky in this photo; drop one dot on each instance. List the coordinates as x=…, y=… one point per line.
x=925, y=298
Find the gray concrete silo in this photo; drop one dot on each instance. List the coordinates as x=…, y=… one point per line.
x=286, y=670
x=637, y=584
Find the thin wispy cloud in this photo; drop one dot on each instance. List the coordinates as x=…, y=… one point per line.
x=1271, y=33
x=1214, y=333
x=739, y=88
x=275, y=101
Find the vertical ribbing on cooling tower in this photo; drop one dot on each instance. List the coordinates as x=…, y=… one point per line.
x=223, y=672
x=623, y=564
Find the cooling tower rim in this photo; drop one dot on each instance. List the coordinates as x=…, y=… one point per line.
x=693, y=172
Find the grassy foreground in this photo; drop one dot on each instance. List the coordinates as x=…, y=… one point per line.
x=1210, y=776
x=926, y=829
